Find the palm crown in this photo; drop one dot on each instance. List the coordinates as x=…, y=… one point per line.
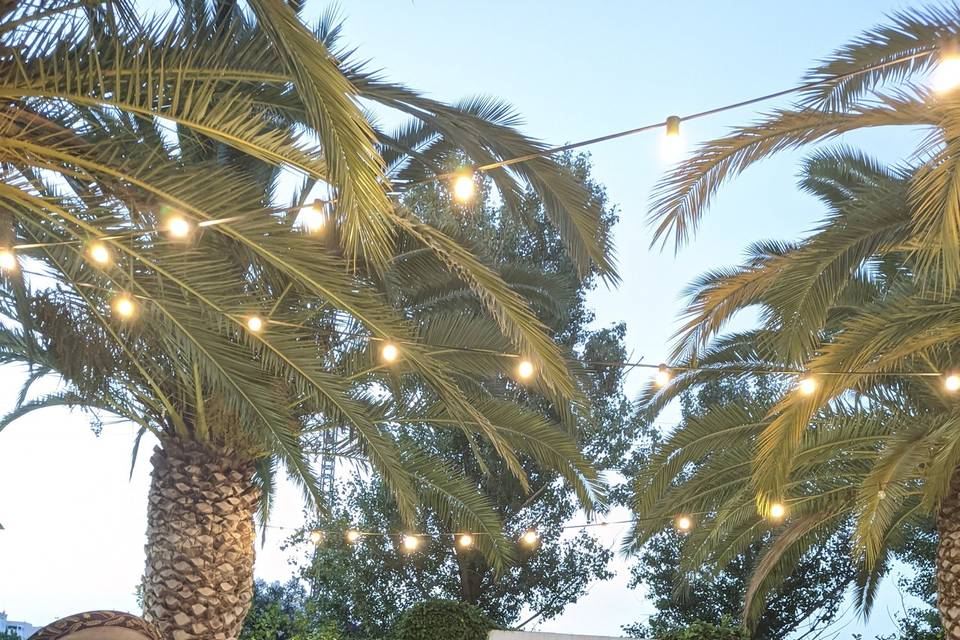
x=115, y=129
x=864, y=307
x=879, y=453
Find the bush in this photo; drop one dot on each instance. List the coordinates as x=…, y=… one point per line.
x=442, y=620
x=706, y=631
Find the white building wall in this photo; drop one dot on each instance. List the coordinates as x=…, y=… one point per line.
x=23, y=629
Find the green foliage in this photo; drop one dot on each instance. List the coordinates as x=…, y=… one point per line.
x=698, y=630
x=442, y=620
x=9, y=635
x=281, y=612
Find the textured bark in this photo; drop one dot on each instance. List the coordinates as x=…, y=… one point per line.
x=948, y=560
x=198, y=581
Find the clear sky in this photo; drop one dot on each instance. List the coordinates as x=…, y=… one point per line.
x=574, y=70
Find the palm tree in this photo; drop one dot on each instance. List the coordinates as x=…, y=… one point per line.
x=148, y=265
x=868, y=444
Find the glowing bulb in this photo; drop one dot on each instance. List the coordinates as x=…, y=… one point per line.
x=465, y=540
x=178, y=226
x=99, y=253
x=525, y=369
x=807, y=385
x=530, y=537
x=662, y=376
x=951, y=382
x=777, y=510
x=311, y=218
x=683, y=523
x=353, y=535
x=316, y=537
x=8, y=261
x=881, y=495
x=410, y=543
x=946, y=76
x=672, y=147
x=464, y=188
x=255, y=324
x=390, y=352
x=124, y=306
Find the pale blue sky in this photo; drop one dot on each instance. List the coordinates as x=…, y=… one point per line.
x=574, y=70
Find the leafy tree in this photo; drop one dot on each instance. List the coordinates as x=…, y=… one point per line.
x=116, y=128
x=867, y=445
x=367, y=586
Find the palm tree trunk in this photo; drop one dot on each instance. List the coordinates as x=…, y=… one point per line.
x=948, y=560
x=198, y=581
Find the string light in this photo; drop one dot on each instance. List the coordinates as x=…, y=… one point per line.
x=465, y=540
x=124, y=306
x=530, y=537
x=807, y=385
x=671, y=147
x=352, y=536
x=178, y=226
x=389, y=352
x=464, y=187
x=952, y=382
x=410, y=543
x=99, y=253
x=8, y=261
x=662, y=377
x=312, y=218
x=777, y=510
x=316, y=537
x=946, y=76
x=683, y=524
x=525, y=370
x=255, y=324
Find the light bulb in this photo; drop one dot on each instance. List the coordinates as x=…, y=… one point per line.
x=662, y=377
x=316, y=537
x=881, y=494
x=178, y=226
x=410, y=543
x=683, y=523
x=124, y=306
x=530, y=537
x=255, y=324
x=312, y=218
x=390, y=352
x=946, y=76
x=464, y=188
x=8, y=261
x=777, y=510
x=525, y=369
x=951, y=382
x=672, y=146
x=465, y=540
x=353, y=535
x=807, y=385
x=99, y=253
